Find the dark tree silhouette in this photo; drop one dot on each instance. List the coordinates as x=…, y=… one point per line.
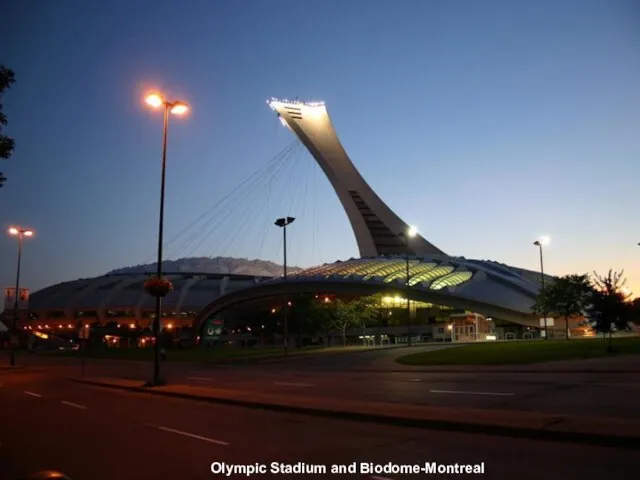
x=610, y=308
x=566, y=296
x=7, y=144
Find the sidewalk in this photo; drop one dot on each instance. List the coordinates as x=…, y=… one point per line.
x=541, y=426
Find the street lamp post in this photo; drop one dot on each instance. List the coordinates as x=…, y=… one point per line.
x=175, y=108
x=282, y=223
x=20, y=233
x=410, y=233
x=543, y=241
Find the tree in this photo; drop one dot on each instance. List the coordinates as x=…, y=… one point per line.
x=7, y=144
x=352, y=312
x=635, y=315
x=308, y=316
x=567, y=296
x=610, y=308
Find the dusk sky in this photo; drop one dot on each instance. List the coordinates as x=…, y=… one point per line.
x=485, y=123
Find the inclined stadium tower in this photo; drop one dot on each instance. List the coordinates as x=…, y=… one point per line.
x=489, y=288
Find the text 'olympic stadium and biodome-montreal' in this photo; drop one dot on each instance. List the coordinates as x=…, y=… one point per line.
x=452, y=298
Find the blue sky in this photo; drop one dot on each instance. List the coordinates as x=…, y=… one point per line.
x=485, y=123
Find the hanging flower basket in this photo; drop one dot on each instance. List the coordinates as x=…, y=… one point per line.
x=158, y=287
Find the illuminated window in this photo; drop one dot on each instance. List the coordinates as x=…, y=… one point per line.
x=451, y=280
x=390, y=268
x=431, y=275
x=413, y=270
x=343, y=268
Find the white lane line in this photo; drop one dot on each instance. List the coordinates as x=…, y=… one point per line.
x=381, y=478
x=190, y=435
x=415, y=379
x=33, y=394
x=461, y=392
x=200, y=378
x=287, y=384
x=71, y=404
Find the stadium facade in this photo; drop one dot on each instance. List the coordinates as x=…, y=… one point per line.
x=478, y=287
x=120, y=298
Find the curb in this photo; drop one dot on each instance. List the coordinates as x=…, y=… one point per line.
x=300, y=356
x=249, y=360
x=599, y=439
x=492, y=370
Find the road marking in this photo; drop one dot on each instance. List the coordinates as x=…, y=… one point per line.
x=461, y=392
x=33, y=394
x=71, y=404
x=190, y=435
x=415, y=379
x=286, y=384
x=381, y=478
x=200, y=378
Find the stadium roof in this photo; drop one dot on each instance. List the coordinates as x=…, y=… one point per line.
x=484, y=286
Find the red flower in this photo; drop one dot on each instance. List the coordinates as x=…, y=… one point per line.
x=158, y=287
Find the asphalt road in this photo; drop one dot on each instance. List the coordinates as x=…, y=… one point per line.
x=601, y=394
x=100, y=434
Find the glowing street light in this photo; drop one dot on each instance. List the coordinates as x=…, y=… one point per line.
x=156, y=101
x=283, y=223
x=19, y=232
x=410, y=233
x=543, y=241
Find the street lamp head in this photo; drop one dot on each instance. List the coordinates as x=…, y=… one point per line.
x=412, y=231
x=179, y=108
x=283, y=222
x=542, y=241
x=154, y=100
x=22, y=232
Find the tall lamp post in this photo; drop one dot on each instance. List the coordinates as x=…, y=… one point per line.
x=543, y=242
x=176, y=108
x=411, y=232
x=20, y=233
x=282, y=223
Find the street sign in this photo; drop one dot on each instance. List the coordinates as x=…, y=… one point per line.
x=10, y=298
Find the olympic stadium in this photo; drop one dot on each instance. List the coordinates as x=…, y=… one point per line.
x=476, y=298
